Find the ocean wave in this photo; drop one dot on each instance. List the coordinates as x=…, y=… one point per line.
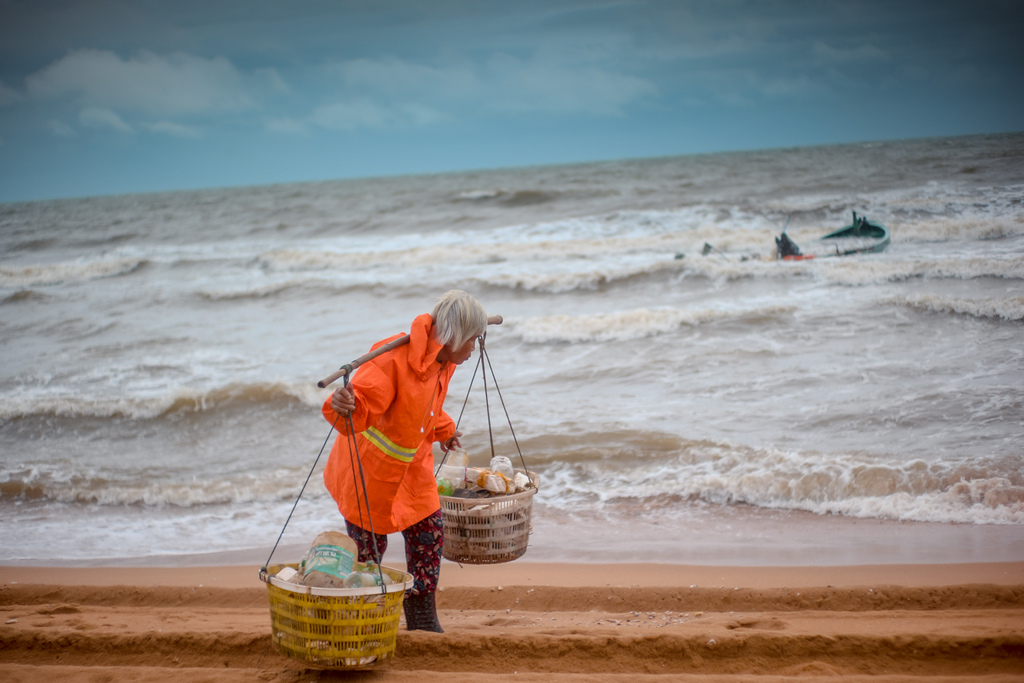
x=549, y=266
x=739, y=267
x=317, y=287
x=978, y=501
x=590, y=278
x=23, y=295
x=857, y=270
x=856, y=486
x=459, y=248
x=150, y=407
x=860, y=271
x=301, y=259
x=969, y=228
x=266, y=291
x=572, y=255
x=49, y=485
x=67, y=272
x=635, y=324
x=1010, y=308
x=518, y=198
x=509, y=198
x=476, y=195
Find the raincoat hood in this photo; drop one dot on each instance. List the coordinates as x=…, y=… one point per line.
x=423, y=348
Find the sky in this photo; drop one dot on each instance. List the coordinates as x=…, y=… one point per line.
x=102, y=97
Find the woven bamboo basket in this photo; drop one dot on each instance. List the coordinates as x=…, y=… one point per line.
x=487, y=530
x=335, y=628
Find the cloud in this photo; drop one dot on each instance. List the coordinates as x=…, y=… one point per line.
x=99, y=117
x=544, y=85
x=61, y=129
x=390, y=92
x=352, y=115
x=177, y=83
x=858, y=54
x=364, y=113
x=399, y=78
x=746, y=87
x=270, y=77
x=8, y=96
x=287, y=125
x=176, y=130
x=422, y=115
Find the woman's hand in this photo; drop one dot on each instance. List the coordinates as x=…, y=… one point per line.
x=452, y=442
x=343, y=401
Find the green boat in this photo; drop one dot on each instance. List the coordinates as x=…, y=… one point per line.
x=859, y=237
x=876, y=234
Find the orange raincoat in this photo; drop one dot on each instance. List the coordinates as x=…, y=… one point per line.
x=398, y=416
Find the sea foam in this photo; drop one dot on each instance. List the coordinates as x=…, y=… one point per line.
x=633, y=324
x=1009, y=308
x=853, y=485
x=68, y=272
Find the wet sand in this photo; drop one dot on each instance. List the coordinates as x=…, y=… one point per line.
x=538, y=622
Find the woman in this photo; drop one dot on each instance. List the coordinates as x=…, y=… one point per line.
x=395, y=401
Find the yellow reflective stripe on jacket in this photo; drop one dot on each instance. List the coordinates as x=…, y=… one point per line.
x=389, y=447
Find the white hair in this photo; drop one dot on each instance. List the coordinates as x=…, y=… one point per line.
x=458, y=317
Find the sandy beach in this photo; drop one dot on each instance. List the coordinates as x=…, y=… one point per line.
x=538, y=622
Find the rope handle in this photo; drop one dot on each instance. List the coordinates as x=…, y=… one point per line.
x=263, y=569
x=353, y=453
x=480, y=364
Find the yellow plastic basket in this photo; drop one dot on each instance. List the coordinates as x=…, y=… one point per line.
x=335, y=628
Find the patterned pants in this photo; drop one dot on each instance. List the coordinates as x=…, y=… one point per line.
x=423, y=542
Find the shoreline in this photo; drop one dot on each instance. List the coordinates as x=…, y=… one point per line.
x=733, y=535
x=556, y=574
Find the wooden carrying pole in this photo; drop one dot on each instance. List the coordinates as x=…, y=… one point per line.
x=404, y=339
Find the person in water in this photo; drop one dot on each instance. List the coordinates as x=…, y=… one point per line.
x=395, y=404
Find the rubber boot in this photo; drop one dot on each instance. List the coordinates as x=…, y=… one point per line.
x=421, y=613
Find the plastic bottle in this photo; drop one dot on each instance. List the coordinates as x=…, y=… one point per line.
x=457, y=458
x=452, y=473
x=444, y=487
x=361, y=580
x=372, y=568
x=502, y=465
